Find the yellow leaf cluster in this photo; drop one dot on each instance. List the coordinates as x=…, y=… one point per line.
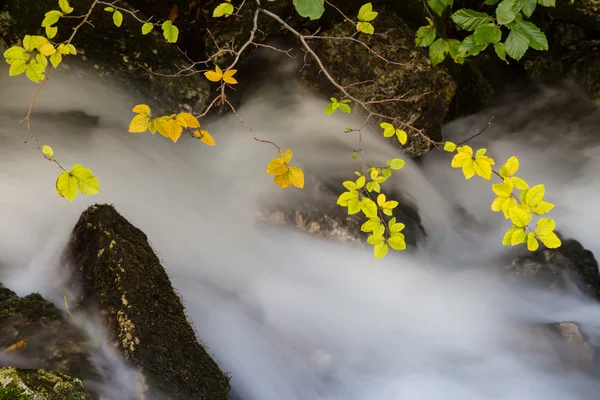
x=217, y=75
x=390, y=130
x=79, y=179
x=283, y=173
x=480, y=164
x=170, y=126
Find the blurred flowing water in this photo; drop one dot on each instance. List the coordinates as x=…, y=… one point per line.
x=295, y=317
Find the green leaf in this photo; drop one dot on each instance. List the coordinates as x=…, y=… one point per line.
x=223, y=10
x=469, y=48
x=344, y=107
x=438, y=50
x=329, y=109
x=66, y=186
x=454, y=52
x=485, y=34
x=536, y=38
x=51, y=17
x=109, y=9
x=491, y=2
x=470, y=19
x=500, y=51
x=366, y=13
x=439, y=6
x=312, y=9
x=425, y=36
x=118, y=18
x=529, y=7
x=147, y=28
x=64, y=5
x=170, y=31
x=547, y=3
x=506, y=12
x=516, y=44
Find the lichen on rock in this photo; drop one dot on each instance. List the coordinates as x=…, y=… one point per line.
x=121, y=274
x=32, y=384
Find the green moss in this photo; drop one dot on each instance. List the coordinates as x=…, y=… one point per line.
x=121, y=272
x=14, y=393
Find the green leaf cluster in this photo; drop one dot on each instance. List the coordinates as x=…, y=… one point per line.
x=337, y=105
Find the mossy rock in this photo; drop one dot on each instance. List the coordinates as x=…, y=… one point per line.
x=122, y=53
x=431, y=88
x=32, y=384
x=34, y=329
x=121, y=274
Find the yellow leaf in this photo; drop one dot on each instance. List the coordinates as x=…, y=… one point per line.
x=510, y=167
x=205, y=137
x=151, y=126
x=402, y=136
x=86, y=181
x=187, y=120
x=550, y=240
x=142, y=109
x=503, y=189
x=369, y=208
x=535, y=195
x=365, y=27
x=296, y=177
x=532, y=243
x=287, y=156
x=381, y=200
x=397, y=242
x=65, y=49
x=167, y=127
x=214, y=76
x=21, y=344
x=498, y=203
x=228, y=76
x=519, y=217
x=508, y=205
x=465, y=149
x=545, y=226
x=380, y=249
x=139, y=123
x=542, y=208
x=468, y=169
x=459, y=160
x=66, y=186
x=51, y=31
x=519, y=183
x=277, y=167
x=47, y=49
x=450, y=147
x=360, y=182
x=282, y=180
x=47, y=151
x=519, y=236
x=346, y=197
x=507, y=237
x=483, y=168
x=354, y=206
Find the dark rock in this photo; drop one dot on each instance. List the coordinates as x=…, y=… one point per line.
x=40, y=385
x=426, y=90
x=121, y=274
x=35, y=335
x=557, y=268
x=473, y=91
x=116, y=52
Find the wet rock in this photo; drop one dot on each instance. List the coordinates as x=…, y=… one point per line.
x=557, y=268
x=34, y=334
x=121, y=53
x=121, y=274
x=425, y=91
x=25, y=384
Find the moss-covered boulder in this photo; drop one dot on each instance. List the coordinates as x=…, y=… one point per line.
x=34, y=334
x=122, y=53
x=32, y=384
x=120, y=273
x=424, y=92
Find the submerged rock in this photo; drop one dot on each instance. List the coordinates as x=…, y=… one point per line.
x=31, y=384
x=121, y=274
x=34, y=334
x=424, y=92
